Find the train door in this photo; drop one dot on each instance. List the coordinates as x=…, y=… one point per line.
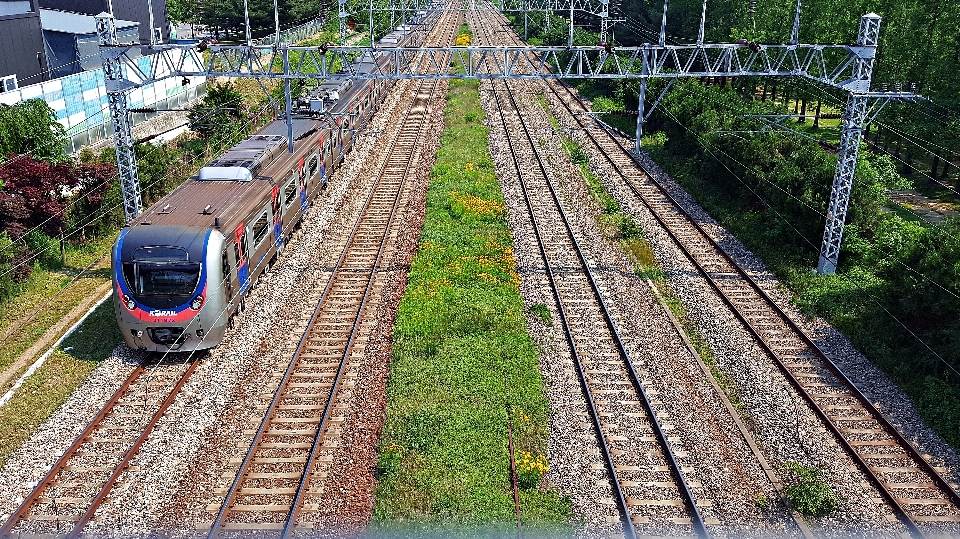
x=321, y=150
x=240, y=254
x=339, y=139
x=227, y=275
x=328, y=151
x=277, y=214
x=313, y=169
x=303, y=186
x=350, y=121
x=289, y=194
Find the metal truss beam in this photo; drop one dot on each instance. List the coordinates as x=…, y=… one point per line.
x=845, y=67
x=594, y=7
x=833, y=65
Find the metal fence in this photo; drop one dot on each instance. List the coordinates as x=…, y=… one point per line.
x=295, y=34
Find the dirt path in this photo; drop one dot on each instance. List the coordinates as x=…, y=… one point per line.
x=51, y=335
x=928, y=209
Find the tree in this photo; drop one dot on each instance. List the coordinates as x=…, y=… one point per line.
x=219, y=111
x=227, y=15
x=180, y=11
x=31, y=127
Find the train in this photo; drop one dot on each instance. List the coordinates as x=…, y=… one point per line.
x=183, y=268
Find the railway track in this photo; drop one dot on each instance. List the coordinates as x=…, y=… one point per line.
x=923, y=501
x=281, y=476
x=68, y=497
x=649, y=487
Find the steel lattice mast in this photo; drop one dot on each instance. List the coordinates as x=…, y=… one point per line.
x=854, y=119
x=117, y=87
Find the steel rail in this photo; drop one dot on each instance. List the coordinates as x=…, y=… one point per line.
x=305, y=479
x=626, y=520
x=696, y=518
x=278, y=395
x=908, y=448
x=134, y=449
x=48, y=481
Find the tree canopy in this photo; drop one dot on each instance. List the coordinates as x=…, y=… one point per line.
x=31, y=127
x=225, y=17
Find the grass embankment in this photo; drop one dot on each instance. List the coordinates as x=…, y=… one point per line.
x=48, y=295
x=462, y=358
x=54, y=382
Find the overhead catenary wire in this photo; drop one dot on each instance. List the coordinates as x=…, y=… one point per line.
x=886, y=255
x=76, y=197
x=920, y=217
x=104, y=213
x=897, y=157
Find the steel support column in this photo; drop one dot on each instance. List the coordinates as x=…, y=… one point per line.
x=854, y=118
x=117, y=86
x=288, y=101
x=640, y=103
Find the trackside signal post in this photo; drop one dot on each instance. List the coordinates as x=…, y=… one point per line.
x=845, y=67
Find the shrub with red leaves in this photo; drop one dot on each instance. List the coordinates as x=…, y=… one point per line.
x=36, y=193
x=50, y=198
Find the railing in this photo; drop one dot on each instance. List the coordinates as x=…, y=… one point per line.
x=295, y=34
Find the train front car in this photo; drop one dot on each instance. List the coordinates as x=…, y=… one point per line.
x=168, y=287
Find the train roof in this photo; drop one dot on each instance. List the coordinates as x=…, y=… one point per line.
x=224, y=199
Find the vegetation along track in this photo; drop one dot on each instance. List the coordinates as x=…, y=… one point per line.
x=81, y=480
x=914, y=489
x=279, y=478
x=648, y=482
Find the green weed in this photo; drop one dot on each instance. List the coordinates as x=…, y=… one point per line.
x=808, y=493
x=462, y=356
x=543, y=313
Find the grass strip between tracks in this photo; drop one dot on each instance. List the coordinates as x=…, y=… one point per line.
x=462, y=356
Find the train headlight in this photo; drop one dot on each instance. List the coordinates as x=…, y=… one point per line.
x=196, y=303
x=128, y=301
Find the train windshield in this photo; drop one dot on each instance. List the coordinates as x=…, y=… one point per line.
x=162, y=271
x=167, y=279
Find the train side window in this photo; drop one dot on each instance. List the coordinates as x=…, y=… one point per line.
x=290, y=194
x=326, y=148
x=260, y=228
x=312, y=171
